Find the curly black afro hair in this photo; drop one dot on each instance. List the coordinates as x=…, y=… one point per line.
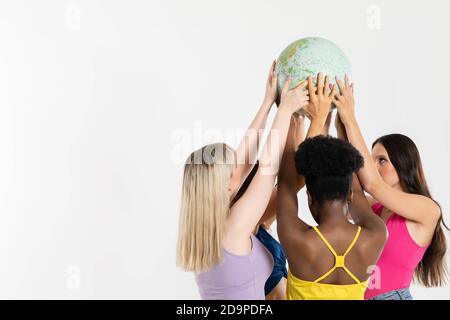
x=327, y=164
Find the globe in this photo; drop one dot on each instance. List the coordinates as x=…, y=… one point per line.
x=309, y=56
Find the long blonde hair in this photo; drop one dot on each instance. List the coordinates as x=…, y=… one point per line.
x=205, y=205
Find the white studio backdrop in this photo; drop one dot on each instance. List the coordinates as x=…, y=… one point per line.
x=101, y=101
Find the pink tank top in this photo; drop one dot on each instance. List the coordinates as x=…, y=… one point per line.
x=399, y=258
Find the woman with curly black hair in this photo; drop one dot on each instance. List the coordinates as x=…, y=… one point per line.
x=331, y=260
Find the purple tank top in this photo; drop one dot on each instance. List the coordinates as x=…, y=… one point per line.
x=237, y=277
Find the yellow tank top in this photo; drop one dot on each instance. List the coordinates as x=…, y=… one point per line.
x=297, y=289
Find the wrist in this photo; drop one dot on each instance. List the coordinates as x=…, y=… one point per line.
x=268, y=102
x=286, y=110
x=286, y=107
x=319, y=121
x=348, y=119
x=315, y=129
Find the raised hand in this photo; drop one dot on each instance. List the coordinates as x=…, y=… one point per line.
x=345, y=101
x=271, y=85
x=319, y=106
x=294, y=99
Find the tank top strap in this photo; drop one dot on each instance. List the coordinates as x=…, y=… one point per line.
x=325, y=241
x=339, y=260
x=353, y=242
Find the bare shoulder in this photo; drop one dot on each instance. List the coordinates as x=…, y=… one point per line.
x=372, y=240
x=297, y=238
x=236, y=241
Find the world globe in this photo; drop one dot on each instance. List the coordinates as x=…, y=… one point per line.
x=309, y=56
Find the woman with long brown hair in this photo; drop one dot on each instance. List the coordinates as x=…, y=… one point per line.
x=394, y=177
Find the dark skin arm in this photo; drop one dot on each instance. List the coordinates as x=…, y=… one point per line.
x=288, y=186
x=362, y=213
x=318, y=110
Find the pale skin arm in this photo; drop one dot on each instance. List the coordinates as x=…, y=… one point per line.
x=247, y=211
x=246, y=152
x=299, y=132
x=360, y=208
x=413, y=207
x=341, y=134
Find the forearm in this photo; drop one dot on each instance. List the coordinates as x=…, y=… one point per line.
x=269, y=215
x=368, y=174
x=272, y=151
x=326, y=126
x=248, y=210
x=315, y=128
x=289, y=182
x=247, y=151
x=341, y=134
x=325, y=130
x=260, y=119
x=287, y=169
x=359, y=208
x=299, y=132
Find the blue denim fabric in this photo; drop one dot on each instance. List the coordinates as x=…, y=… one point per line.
x=401, y=294
x=279, y=259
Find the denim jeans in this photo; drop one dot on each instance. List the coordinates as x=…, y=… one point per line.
x=400, y=294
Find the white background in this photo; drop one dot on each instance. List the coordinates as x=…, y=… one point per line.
x=101, y=101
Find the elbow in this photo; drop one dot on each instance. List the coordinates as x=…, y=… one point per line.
x=371, y=185
x=367, y=186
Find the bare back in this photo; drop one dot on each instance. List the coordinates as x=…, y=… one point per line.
x=309, y=257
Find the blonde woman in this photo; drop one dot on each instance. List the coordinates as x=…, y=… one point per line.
x=215, y=240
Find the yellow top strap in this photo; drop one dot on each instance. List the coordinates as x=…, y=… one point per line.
x=331, y=248
x=325, y=240
x=339, y=260
x=325, y=275
x=351, y=275
x=353, y=242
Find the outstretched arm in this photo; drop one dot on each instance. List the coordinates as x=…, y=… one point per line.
x=360, y=208
x=297, y=129
x=247, y=211
x=413, y=207
x=289, y=183
x=247, y=150
x=318, y=110
x=362, y=213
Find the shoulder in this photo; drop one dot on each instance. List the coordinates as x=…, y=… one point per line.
x=375, y=226
x=374, y=238
x=434, y=214
x=297, y=239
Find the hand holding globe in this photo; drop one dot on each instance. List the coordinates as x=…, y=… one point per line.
x=320, y=98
